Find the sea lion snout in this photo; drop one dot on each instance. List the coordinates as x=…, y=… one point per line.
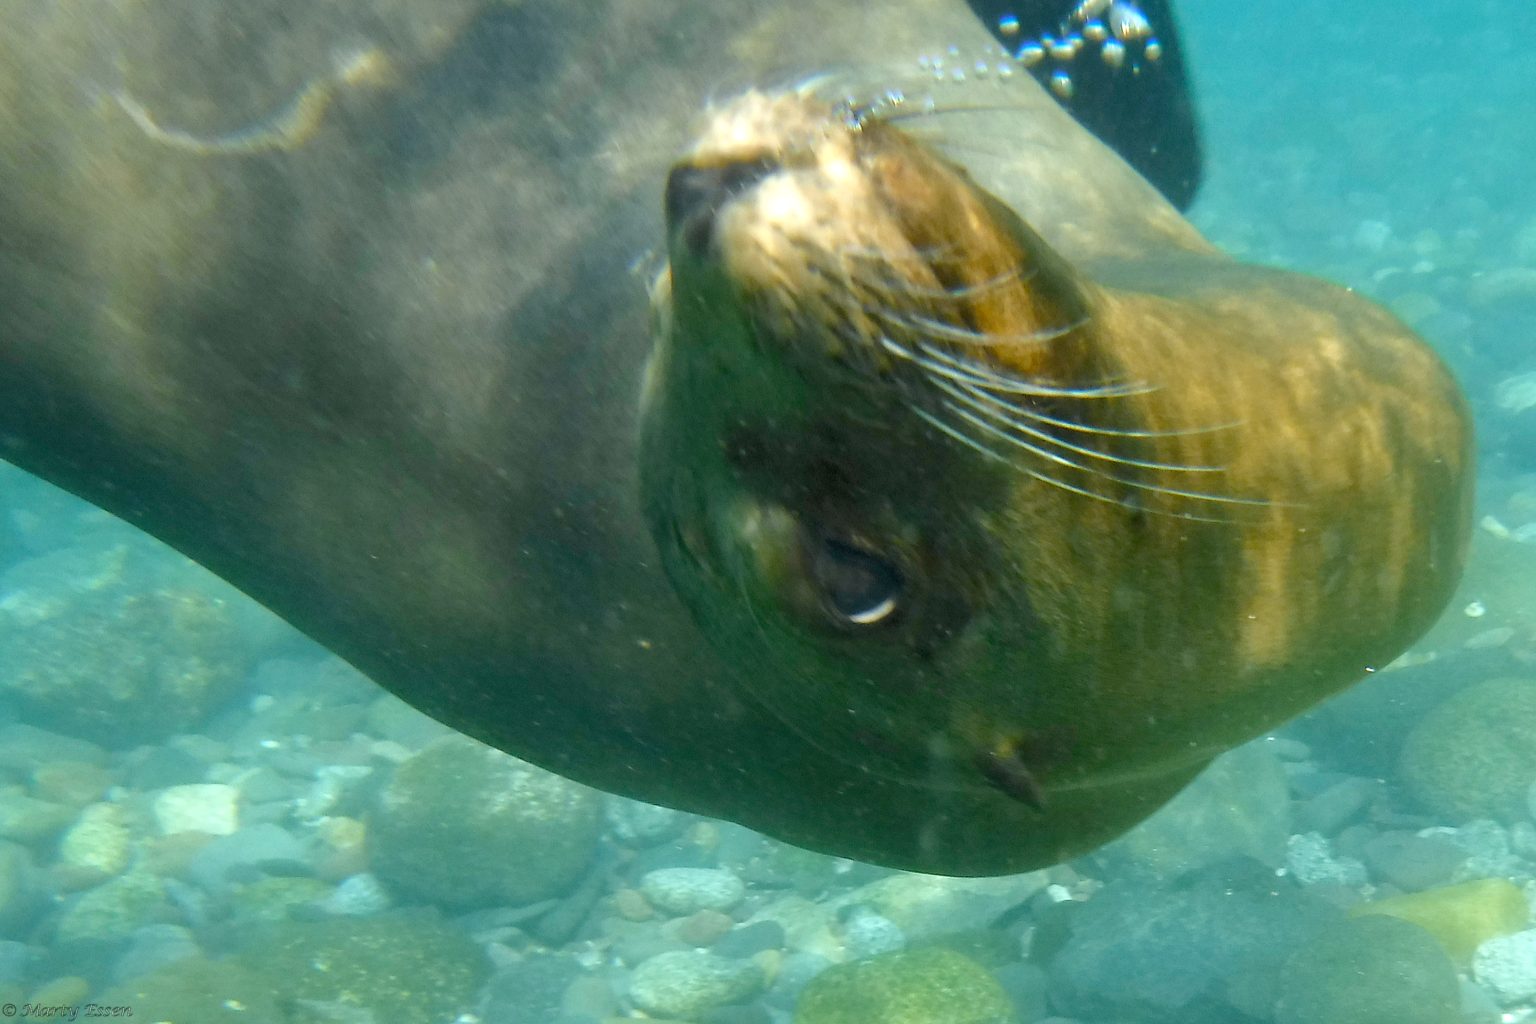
x=696, y=193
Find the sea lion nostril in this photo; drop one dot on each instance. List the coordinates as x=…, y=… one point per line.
x=695, y=194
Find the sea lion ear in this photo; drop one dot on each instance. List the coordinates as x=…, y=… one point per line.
x=1141, y=108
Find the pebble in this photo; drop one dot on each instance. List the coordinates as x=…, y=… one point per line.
x=99, y=841
x=702, y=929
x=632, y=944
x=748, y=939
x=389, y=751
x=589, y=997
x=345, y=849
x=205, y=807
x=154, y=946
x=1311, y=860
x=683, y=891
x=262, y=785
x=631, y=905
x=1413, y=862
x=1488, y=850
x=867, y=933
x=1506, y=966
x=1341, y=804
x=28, y=821
x=796, y=971
x=203, y=749
x=163, y=767
x=332, y=783
x=20, y=893
x=212, y=865
x=74, y=783
x=684, y=984
x=529, y=990
x=24, y=747
x=361, y=895
x=1026, y=986
x=635, y=823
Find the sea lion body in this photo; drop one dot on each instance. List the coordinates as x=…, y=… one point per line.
x=997, y=518
x=376, y=361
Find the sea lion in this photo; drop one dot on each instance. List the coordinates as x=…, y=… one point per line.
x=994, y=495
x=346, y=302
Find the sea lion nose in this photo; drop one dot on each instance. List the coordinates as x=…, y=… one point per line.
x=695, y=194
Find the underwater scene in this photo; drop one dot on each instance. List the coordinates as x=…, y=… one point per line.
x=352, y=306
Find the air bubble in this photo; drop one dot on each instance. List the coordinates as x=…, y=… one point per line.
x=1061, y=84
x=1127, y=22
x=1008, y=25
x=1113, y=53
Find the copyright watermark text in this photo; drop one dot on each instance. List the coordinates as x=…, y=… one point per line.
x=62, y=1011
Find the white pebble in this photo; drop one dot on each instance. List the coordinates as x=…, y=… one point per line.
x=1507, y=967
x=204, y=807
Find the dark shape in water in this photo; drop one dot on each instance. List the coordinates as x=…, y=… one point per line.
x=1142, y=108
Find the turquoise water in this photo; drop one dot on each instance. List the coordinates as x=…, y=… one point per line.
x=219, y=821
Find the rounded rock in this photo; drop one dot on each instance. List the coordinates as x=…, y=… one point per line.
x=1369, y=970
x=201, y=807
x=867, y=934
x=683, y=984
x=702, y=929
x=684, y=891
x=1507, y=967
x=72, y=648
x=635, y=823
x=517, y=833
x=1474, y=756
x=928, y=986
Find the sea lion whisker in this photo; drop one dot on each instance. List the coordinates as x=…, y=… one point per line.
x=938, y=330
x=1018, y=409
x=1177, y=492
x=1002, y=412
x=972, y=372
x=960, y=436
x=907, y=290
x=930, y=361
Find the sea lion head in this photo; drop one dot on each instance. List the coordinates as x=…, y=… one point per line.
x=830, y=527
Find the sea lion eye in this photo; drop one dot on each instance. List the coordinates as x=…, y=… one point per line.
x=859, y=586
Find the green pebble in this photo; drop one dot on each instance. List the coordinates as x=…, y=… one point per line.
x=1369, y=970
x=927, y=986
x=1474, y=756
